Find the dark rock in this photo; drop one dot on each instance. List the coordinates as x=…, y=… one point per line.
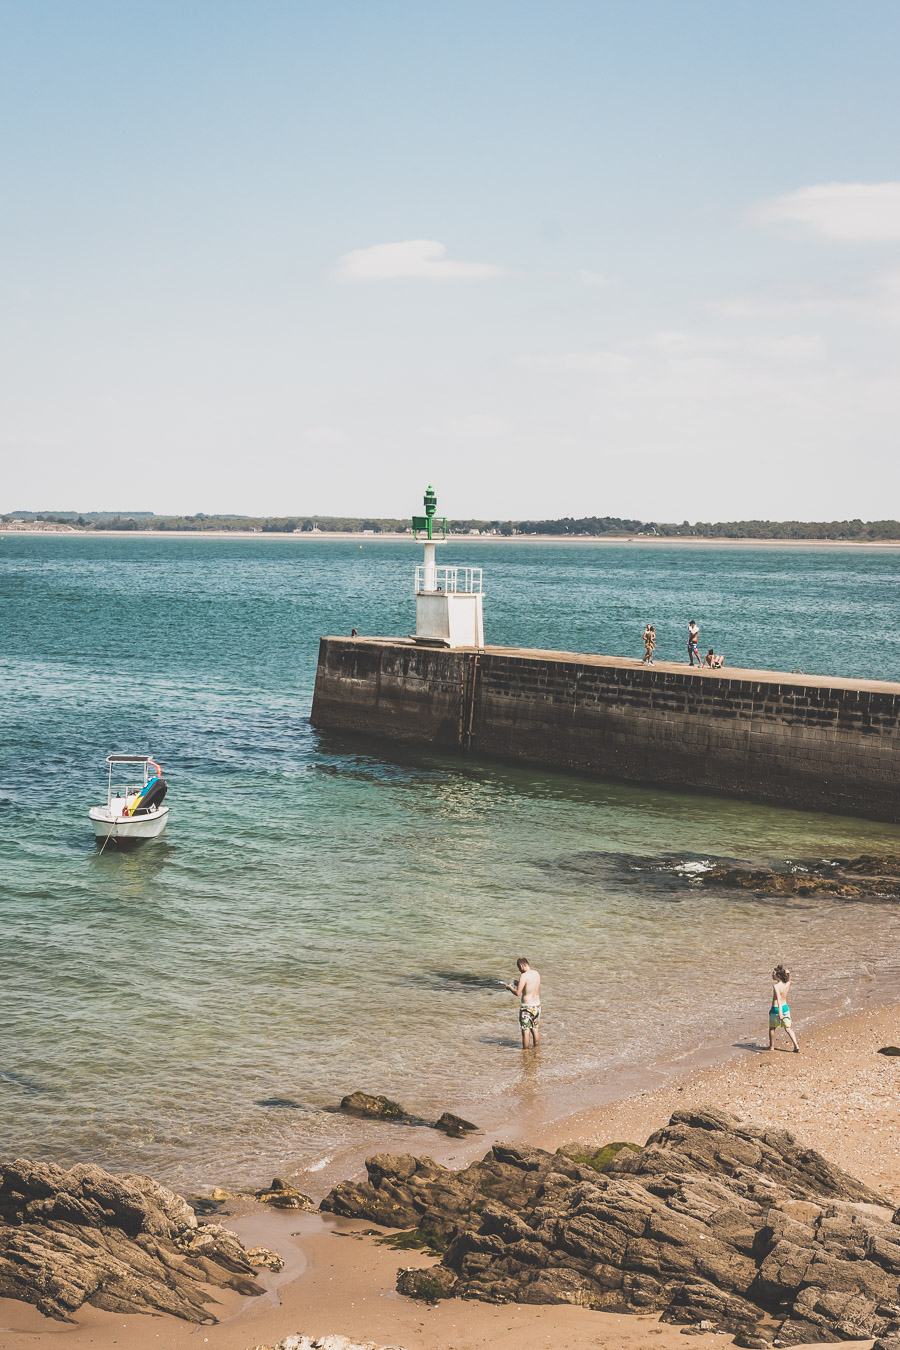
x=121, y=1243
x=455, y=1126
x=381, y=1108
x=889, y=1050
x=713, y=1221
x=431, y=1284
x=748, y=1341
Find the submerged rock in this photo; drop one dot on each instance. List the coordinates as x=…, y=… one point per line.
x=712, y=1221
x=121, y=1243
x=863, y=878
x=380, y=1108
x=455, y=1126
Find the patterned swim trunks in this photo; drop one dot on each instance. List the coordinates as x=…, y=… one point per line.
x=779, y=1017
x=529, y=1015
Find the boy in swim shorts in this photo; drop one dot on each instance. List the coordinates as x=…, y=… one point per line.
x=527, y=988
x=780, y=1013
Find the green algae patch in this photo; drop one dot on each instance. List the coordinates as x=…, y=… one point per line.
x=414, y=1240
x=601, y=1158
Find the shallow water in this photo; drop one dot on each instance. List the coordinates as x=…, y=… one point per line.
x=325, y=914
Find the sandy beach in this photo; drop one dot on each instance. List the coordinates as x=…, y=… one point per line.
x=839, y=1096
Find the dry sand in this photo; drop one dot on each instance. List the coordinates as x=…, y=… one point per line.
x=838, y=1095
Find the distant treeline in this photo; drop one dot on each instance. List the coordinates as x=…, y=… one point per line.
x=581, y=527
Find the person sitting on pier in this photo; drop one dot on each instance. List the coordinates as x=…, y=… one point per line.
x=713, y=661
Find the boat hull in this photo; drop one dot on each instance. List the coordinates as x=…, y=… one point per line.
x=119, y=828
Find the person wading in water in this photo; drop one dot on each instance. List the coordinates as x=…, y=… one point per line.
x=527, y=989
x=780, y=1013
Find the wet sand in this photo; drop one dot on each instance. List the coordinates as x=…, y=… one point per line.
x=838, y=1095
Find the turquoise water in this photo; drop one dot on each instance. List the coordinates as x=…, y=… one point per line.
x=323, y=914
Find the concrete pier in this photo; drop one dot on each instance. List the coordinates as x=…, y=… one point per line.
x=799, y=740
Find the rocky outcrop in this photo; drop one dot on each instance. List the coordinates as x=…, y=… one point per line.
x=122, y=1243
x=712, y=1221
x=863, y=878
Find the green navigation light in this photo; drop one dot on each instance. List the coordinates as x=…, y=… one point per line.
x=427, y=522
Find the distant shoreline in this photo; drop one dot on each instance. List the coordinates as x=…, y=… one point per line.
x=392, y=537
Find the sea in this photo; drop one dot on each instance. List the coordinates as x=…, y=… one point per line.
x=325, y=913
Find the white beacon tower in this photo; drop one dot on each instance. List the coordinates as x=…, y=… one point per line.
x=449, y=600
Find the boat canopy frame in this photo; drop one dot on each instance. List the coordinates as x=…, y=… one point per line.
x=126, y=788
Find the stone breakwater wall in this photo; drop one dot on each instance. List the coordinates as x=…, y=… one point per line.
x=804, y=741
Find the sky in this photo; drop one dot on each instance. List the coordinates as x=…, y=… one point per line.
x=636, y=259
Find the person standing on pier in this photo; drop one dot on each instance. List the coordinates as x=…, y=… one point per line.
x=527, y=989
x=693, y=639
x=649, y=636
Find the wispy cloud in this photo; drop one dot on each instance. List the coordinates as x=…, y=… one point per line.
x=423, y=258
x=869, y=299
x=849, y=212
x=675, y=349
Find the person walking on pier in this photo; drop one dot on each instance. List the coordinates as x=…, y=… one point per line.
x=649, y=644
x=527, y=989
x=693, y=639
x=780, y=1012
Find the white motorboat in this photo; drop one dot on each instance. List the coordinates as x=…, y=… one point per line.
x=133, y=810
